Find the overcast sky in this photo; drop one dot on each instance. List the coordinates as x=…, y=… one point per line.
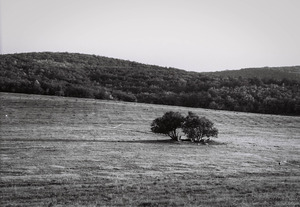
x=197, y=35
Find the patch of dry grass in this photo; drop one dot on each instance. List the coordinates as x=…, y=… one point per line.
x=80, y=152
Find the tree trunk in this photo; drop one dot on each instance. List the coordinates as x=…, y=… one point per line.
x=173, y=135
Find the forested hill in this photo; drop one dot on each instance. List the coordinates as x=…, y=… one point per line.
x=90, y=76
x=278, y=73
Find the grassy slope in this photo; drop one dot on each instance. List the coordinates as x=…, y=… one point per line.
x=67, y=152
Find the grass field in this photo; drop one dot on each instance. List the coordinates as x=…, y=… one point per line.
x=59, y=151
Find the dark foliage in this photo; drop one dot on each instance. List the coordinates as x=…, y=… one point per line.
x=265, y=90
x=197, y=128
x=168, y=124
x=276, y=73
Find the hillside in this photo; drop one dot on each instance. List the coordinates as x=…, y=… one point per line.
x=90, y=76
x=278, y=73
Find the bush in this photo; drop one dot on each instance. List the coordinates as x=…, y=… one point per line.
x=78, y=91
x=197, y=128
x=168, y=124
x=193, y=126
x=122, y=96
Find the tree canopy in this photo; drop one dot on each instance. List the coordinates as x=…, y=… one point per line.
x=193, y=126
x=197, y=128
x=168, y=124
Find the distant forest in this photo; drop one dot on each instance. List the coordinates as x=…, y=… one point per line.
x=260, y=90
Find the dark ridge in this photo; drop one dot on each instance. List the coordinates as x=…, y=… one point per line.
x=257, y=90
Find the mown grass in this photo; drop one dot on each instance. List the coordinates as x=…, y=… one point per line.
x=82, y=152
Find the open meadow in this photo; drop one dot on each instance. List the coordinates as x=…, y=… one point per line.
x=58, y=151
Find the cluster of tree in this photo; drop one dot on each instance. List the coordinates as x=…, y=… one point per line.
x=90, y=76
x=194, y=127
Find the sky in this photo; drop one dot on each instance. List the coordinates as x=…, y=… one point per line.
x=194, y=35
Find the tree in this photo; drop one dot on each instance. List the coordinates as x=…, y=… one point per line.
x=197, y=128
x=168, y=124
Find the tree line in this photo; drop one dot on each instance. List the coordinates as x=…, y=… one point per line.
x=90, y=76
